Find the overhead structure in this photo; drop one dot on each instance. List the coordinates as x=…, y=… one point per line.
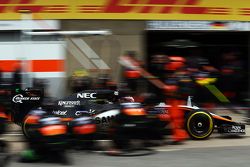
x=130, y=9
x=81, y=33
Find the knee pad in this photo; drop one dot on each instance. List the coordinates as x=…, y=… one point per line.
x=2, y=123
x=31, y=124
x=43, y=129
x=82, y=127
x=52, y=130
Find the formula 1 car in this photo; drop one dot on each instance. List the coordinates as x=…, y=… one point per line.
x=103, y=106
x=200, y=123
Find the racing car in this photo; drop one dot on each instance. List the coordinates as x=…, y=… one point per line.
x=200, y=123
x=104, y=107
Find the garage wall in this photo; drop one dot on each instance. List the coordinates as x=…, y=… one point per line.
x=126, y=36
x=35, y=58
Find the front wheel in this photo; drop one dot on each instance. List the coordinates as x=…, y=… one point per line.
x=199, y=124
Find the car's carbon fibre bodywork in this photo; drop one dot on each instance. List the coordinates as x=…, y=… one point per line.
x=102, y=105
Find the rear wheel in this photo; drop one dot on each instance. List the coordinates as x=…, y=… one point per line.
x=199, y=124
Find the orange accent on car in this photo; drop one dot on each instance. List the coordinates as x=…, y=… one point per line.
x=32, y=119
x=134, y=111
x=221, y=118
x=3, y=115
x=85, y=129
x=66, y=119
x=53, y=130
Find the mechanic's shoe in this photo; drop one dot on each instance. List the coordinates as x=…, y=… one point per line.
x=179, y=135
x=175, y=143
x=64, y=159
x=29, y=156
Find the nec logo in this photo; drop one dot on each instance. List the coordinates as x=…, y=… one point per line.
x=86, y=95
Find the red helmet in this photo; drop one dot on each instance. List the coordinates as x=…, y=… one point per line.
x=175, y=63
x=132, y=74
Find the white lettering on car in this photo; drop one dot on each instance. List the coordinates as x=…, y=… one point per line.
x=86, y=95
x=59, y=112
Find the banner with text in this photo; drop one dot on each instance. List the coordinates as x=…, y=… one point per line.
x=127, y=9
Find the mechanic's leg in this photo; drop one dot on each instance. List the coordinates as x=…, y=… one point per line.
x=4, y=155
x=177, y=121
x=83, y=133
x=33, y=153
x=121, y=141
x=44, y=139
x=86, y=143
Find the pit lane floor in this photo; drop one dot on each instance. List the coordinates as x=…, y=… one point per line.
x=217, y=151
x=194, y=157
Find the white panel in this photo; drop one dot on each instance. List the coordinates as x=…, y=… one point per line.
x=30, y=25
x=108, y=113
x=48, y=74
x=32, y=51
x=84, y=47
x=100, y=64
x=38, y=51
x=10, y=51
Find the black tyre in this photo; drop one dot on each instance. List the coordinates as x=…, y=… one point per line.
x=199, y=124
x=24, y=130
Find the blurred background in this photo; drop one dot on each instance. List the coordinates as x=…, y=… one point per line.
x=51, y=41
x=68, y=46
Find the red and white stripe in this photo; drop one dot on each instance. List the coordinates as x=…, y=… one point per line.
x=37, y=58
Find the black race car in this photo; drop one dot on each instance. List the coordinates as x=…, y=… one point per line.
x=104, y=107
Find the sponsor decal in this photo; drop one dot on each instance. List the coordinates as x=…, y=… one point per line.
x=78, y=113
x=91, y=111
x=236, y=129
x=128, y=9
x=69, y=103
x=156, y=6
x=129, y=125
x=20, y=98
x=59, y=112
x=116, y=93
x=104, y=120
x=86, y=95
x=32, y=6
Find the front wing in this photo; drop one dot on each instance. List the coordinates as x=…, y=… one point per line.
x=233, y=129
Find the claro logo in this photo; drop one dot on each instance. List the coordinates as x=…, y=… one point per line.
x=86, y=95
x=20, y=98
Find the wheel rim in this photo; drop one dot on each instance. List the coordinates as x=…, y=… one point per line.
x=200, y=125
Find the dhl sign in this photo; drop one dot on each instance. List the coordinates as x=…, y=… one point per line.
x=128, y=9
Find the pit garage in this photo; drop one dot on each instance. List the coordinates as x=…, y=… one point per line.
x=222, y=45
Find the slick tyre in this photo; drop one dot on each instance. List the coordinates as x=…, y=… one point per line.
x=199, y=124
